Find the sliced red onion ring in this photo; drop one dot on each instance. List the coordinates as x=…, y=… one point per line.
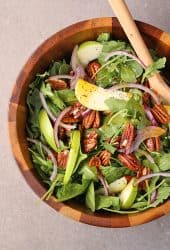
x=67, y=126
x=103, y=181
x=45, y=106
x=78, y=73
x=148, y=176
x=53, y=118
x=143, y=134
x=50, y=154
x=74, y=59
x=153, y=196
x=136, y=86
x=59, y=77
x=150, y=115
x=147, y=155
x=86, y=112
x=124, y=53
x=57, y=123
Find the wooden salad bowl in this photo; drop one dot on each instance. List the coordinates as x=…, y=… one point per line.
x=56, y=47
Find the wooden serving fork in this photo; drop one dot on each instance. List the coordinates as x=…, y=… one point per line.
x=125, y=18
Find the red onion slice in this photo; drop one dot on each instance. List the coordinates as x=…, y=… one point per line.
x=53, y=118
x=59, y=77
x=86, y=112
x=57, y=123
x=78, y=73
x=143, y=134
x=148, y=176
x=74, y=59
x=136, y=86
x=45, y=106
x=103, y=181
x=150, y=115
x=124, y=53
x=153, y=196
x=68, y=126
x=147, y=155
x=50, y=154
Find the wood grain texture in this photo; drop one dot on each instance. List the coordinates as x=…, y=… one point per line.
x=57, y=47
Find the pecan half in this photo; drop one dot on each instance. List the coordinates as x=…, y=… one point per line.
x=90, y=141
x=96, y=123
x=127, y=136
x=63, y=133
x=92, y=69
x=75, y=114
x=95, y=162
x=105, y=157
x=153, y=144
x=62, y=158
x=160, y=113
x=130, y=161
x=56, y=83
x=92, y=119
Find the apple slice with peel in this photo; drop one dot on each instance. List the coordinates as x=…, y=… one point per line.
x=89, y=51
x=128, y=195
x=114, y=187
x=47, y=129
x=94, y=97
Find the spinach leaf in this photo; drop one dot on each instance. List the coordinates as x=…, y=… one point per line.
x=88, y=173
x=67, y=96
x=81, y=157
x=137, y=113
x=59, y=67
x=90, y=197
x=107, y=201
x=53, y=96
x=154, y=68
x=127, y=74
x=71, y=190
x=113, y=173
x=116, y=105
x=113, y=125
x=163, y=194
x=109, y=147
x=135, y=67
x=164, y=161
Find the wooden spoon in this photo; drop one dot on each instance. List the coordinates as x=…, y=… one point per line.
x=129, y=26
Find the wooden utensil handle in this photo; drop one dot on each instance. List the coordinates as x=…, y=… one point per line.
x=129, y=26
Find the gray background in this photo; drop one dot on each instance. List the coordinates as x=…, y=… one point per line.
x=24, y=225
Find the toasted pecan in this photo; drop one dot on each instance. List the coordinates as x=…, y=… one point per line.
x=153, y=144
x=90, y=141
x=127, y=137
x=160, y=113
x=92, y=69
x=62, y=158
x=105, y=157
x=130, y=161
x=95, y=162
x=56, y=83
x=91, y=120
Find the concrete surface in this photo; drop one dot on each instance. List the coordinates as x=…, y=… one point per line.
x=24, y=225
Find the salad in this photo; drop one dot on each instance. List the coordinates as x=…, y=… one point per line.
x=97, y=133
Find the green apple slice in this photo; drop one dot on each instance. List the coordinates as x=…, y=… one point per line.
x=94, y=97
x=114, y=187
x=89, y=51
x=128, y=195
x=47, y=129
